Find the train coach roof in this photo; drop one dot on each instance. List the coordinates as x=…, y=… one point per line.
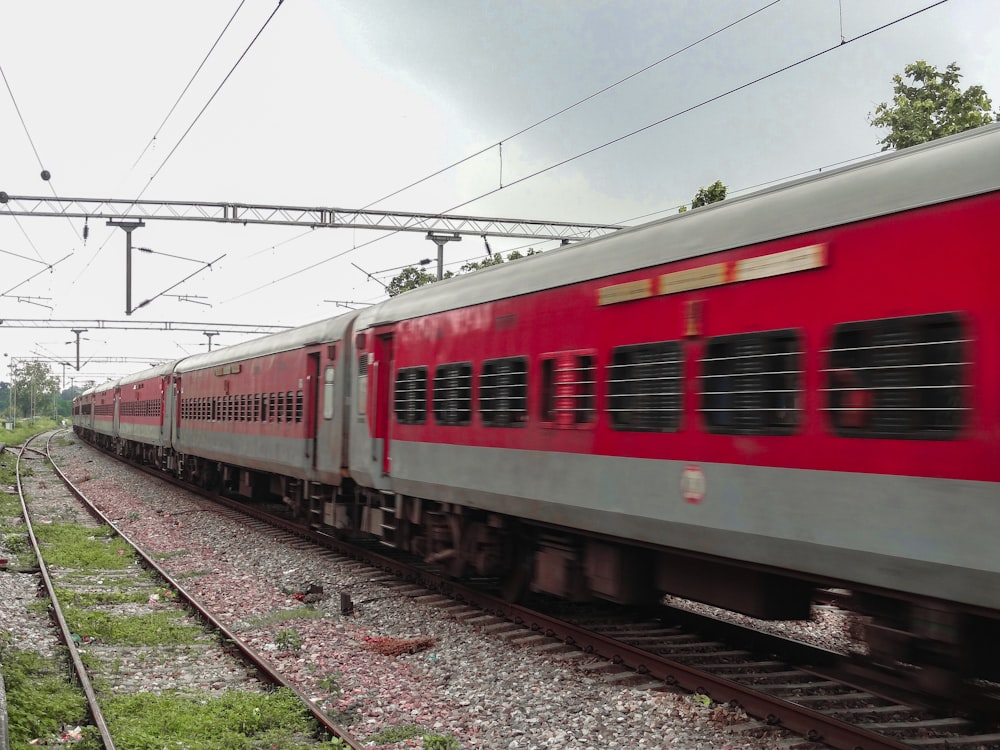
x=322, y=331
x=957, y=167
x=153, y=372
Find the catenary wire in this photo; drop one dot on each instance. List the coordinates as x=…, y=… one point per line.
x=499, y=144
x=191, y=81
x=215, y=93
x=613, y=141
x=38, y=158
x=188, y=130
x=694, y=107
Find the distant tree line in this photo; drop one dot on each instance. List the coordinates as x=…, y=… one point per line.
x=34, y=391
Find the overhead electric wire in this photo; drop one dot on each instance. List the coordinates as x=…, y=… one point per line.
x=21, y=118
x=693, y=107
x=184, y=135
x=193, y=76
x=759, y=185
x=705, y=102
x=212, y=97
x=45, y=175
x=23, y=257
x=522, y=131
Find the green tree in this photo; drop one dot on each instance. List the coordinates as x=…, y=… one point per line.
x=928, y=105
x=712, y=194
x=495, y=260
x=34, y=388
x=409, y=278
x=412, y=277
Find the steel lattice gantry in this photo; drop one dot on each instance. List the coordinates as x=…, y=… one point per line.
x=315, y=217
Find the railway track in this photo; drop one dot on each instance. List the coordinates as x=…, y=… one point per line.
x=778, y=682
x=814, y=693
x=131, y=630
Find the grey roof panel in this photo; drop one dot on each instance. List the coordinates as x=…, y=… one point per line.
x=330, y=329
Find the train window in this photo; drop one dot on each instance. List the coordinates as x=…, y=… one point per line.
x=644, y=387
x=298, y=406
x=752, y=383
x=272, y=405
x=328, y=404
x=568, y=389
x=289, y=407
x=453, y=394
x=215, y=408
x=410, y=400
x=281, y=406
x=898, y=378
x=503, y=392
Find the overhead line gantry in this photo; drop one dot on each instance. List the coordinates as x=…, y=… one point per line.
x=439, y=228
x=307, y=216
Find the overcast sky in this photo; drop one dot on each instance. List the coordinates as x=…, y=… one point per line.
x=340, y=103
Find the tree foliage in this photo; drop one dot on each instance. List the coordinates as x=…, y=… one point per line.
x=33, y=387
x=712, y=194
x=412, y=277
x=409, y=278
x=929, y=104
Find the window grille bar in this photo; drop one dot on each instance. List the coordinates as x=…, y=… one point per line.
x=895, y=346
x=896, y=408
x=752, y=356
x=895, y=367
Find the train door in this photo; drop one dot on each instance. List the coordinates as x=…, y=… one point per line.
x=312, y=406
x=115, y=417
x=176, y=416
x=164, y=432
x=383, y=395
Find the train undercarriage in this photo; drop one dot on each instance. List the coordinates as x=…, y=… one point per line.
x=933, y=647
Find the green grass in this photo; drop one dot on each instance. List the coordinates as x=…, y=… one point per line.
x=74, y=546
x=71, y=598
x=7, y=475
x=401, y=732
x=25, y=429
x=276, y=616
x=232, y=721
x=10, y=506
x=151, y=629
x=40, y=697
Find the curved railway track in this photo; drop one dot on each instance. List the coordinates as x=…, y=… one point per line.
x=218, y=659
x=780, y=683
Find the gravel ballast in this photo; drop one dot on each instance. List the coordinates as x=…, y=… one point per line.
x=472, y=685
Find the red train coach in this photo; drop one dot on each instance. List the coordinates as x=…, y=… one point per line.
x=105, y=414
x=776, y=392
x=83, y=412
x=782, y=391
x=143, y=416
x=264, y=417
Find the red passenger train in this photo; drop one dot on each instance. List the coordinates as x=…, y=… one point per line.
x=740, y=404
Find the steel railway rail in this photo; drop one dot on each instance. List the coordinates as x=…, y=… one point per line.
x=259, y=664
